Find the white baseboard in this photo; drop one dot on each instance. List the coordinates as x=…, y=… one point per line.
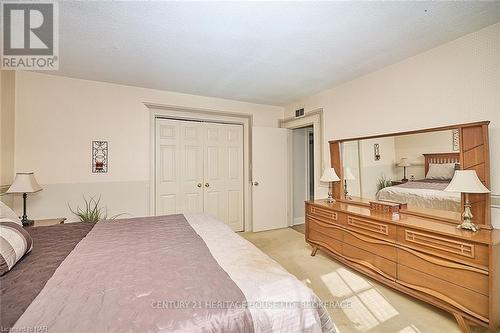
x=299, y=220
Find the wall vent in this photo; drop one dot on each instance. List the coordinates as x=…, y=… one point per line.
x=299, y=113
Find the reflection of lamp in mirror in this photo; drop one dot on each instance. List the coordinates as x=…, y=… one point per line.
x=404, y=164
x=347, y=176
x=466, y=181
x=330, y=176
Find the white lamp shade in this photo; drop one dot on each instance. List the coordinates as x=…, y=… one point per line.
x=466, y=181
x=348, y=174
x=24, y=182
x=404, y=162
x=329, y=175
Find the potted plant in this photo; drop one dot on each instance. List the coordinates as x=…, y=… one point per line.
x=383, y=182
x=92, y=212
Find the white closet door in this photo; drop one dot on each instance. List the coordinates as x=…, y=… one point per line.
x=199, y=168
x=179, y=166
x=224, y=173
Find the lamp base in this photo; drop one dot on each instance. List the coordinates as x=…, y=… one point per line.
x=467, y=224
x=330, y=198
x=26, y=222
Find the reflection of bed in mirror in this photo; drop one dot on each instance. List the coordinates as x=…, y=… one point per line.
x=428, y=192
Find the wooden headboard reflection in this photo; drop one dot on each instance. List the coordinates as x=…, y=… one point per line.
x=441, y=158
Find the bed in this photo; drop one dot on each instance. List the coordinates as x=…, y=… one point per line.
x=176, y=273
x=426, y=193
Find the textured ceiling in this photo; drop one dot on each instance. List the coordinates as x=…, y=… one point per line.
x=265, y=52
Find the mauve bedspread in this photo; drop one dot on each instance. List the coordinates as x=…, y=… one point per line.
x=139, y=275
x=172, y=273
x=20, y=286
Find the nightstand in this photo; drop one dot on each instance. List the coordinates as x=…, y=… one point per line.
x=46, y=222
x=397, y=182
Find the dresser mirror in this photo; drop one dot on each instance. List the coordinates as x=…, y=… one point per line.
x=415, y=168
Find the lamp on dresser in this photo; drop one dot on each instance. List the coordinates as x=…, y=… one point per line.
x=347, y=176
x=330, y=176
x=466, y=181
x=404, y=164
x=24, y=183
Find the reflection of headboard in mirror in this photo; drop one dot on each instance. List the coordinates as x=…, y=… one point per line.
x=473, y=155
x=440, y=158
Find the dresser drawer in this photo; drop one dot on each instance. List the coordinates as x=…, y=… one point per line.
x=327, y=215
x=370, y=244
x=465, y=276
x=442, y=246
x=325, y=241
x=372, y=228
x=323, y=213
x=325, y=228
x=370, y=260
x=464, y=299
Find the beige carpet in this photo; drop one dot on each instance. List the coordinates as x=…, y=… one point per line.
x=374, y=308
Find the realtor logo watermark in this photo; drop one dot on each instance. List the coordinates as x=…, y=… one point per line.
x=30, y=35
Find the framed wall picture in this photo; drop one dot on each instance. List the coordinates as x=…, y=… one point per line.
x=100, y=156
x=456, y=140
x=376, y=152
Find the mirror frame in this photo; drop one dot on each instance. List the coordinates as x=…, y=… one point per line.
x=474, y=155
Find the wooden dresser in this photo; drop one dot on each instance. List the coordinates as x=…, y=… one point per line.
x=455, y=270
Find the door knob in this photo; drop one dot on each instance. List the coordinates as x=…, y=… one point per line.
x=199, y=185
x=255, y=183
x=207, y=185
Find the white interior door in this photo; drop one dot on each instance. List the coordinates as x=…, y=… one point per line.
x=199, y=168
x=270, y=177
x=179, y=167
x=224, y=173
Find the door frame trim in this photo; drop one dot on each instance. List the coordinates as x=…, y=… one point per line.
x=312, y=118
x=207, y=115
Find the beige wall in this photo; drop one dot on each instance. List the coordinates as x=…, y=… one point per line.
x=454, y=83
x=7, y=119
x=57, y=118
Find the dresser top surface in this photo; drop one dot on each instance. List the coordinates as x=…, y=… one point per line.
x=482, y=236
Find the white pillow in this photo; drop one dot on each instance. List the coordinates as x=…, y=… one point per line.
x=7, y=213
x=443, y=171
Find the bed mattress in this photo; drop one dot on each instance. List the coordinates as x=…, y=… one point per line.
x=177, y=273
x=424, y=194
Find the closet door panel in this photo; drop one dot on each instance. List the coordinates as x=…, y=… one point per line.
x=179, y=167
x=234, y=172
x=224, y=173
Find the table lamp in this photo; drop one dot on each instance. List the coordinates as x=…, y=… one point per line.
x=404, y=164
x=348, y=175
x=466, y=181
x=330, y=176
x=24, y=183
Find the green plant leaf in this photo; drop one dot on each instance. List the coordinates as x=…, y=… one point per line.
x=92, y=211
